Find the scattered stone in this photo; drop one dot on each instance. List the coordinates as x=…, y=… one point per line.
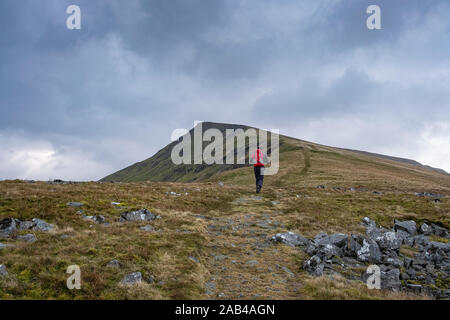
x=139, y=215
x=290, y=238
x=74, y=204
x=321, y=186
x=428, y=194
x=132, y=278
x=220, y=257
x=113, y=264
x=194, y=259
x=220, y=183
x=7, y=227
x=210, y=287
x=407, y=226
x=27, y=237
x=147, y=228
x=252, y=263
x=96, y=219
x=3, y=271
x=286, y=269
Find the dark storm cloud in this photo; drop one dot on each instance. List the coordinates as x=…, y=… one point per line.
x=112, y=92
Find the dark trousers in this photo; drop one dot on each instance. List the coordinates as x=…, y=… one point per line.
x=259, y=175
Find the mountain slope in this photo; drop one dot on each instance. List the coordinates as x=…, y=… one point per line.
x=300, y=162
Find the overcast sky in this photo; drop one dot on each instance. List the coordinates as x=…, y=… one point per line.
x=81, y=104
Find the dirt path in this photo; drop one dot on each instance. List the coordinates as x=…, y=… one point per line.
x=244, y=263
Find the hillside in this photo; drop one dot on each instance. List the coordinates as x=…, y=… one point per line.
x=297, y=158
x=215, y=239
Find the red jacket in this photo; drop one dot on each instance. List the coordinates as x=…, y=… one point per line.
x=258, y=158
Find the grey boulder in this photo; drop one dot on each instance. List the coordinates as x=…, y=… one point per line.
x=27, y=237
x=139, y=215
x=3, y=271
x=132, y=278
x=407, y=226
x=290, y=238
x=369, y=252
x=7, y=227
x=314, y=266
x=41, y=225
x=389, y=240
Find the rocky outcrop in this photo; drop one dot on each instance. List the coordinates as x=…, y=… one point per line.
x=423, y=268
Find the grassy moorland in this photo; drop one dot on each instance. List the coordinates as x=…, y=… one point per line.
x=212, y=239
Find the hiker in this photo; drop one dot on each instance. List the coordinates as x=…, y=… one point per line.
x=258, y=167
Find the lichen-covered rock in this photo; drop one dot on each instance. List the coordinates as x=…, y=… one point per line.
x=290, y=238
x=369, y=252
x=139, y=215
x=7, y=227
x=425, y=229
x=389, y=240
x=41, y=225
x=314, y=266
x=132, y=278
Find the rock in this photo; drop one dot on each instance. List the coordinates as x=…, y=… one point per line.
x=113, y=264
x=74, y=204
x=321, y=186
x=414, y=287
x=314, y=266
x=393, y=262
x=28, y=237
x=24, y=225
x=220, y=183
x=389, y=240
x=354, y=244
x=425, y=229
x=210, y=286
x=391, y=280
x=252, y=262
x=369, y=252
x=287, y=270
x=440, y=231
x=220, y=257
x=406, y=237
x=147, y=228
x=7, y=227
x=41, y=225
x=3, y=271
x=327, y=251
x=193, y=259
x=139, y=215
x=421, y=240
x=339, y=240
x=132, y=278
x=407, y=226
x=434, y=245
x=290, y=238
x=96, y=219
